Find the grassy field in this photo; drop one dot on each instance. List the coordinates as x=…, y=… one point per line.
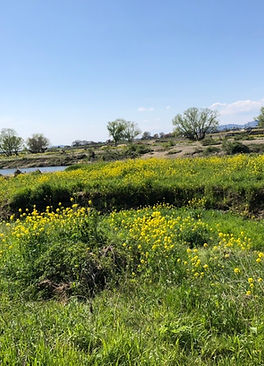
x=176, y=282
x=222, y=182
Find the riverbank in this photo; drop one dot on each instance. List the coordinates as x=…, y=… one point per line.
x=169, y=148
x=36, y=161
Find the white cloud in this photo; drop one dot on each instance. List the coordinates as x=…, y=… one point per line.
x=145, y=109
x=168, y=107
x=238, y=107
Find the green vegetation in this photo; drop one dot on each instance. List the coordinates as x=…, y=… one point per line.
x=260, y=118
x=195, y=123
x=224, y=182
x=183, y=285
x=154, y=285
x=120, y=129
x=235, y=147
x=10, y=143
x=37, y=143
x=211, y=150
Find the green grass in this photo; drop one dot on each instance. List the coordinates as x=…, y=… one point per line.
x=156, y=285
x=138, y=324
x=229, y=182
x=156, y=313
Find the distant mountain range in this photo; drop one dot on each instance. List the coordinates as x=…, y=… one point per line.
x=233, y=126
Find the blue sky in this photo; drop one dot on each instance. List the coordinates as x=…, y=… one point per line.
x=67, y=67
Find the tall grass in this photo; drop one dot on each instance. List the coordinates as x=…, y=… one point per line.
x=235, y=182
x=159, y=285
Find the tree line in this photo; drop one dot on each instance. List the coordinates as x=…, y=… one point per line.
x=11, y=143
x=193, y=124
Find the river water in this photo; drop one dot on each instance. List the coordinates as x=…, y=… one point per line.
x=46, y=169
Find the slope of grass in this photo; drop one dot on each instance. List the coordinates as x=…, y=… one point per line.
x=152, y=286
x=235, y=182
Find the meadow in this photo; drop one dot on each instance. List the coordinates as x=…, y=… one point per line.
x=141, y=262
x=222, y=182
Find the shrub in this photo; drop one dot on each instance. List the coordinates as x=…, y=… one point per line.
x=61, y=253
x=211, y=150
x=210, y=141
x=235, y=148
x=256, y=148
x=136, y=150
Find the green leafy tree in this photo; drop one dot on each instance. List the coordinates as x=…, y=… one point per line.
x=260, y=118
x=37, y=143
x=117, y=130
x=10, y=143
x=120, y=129
x=195, y=123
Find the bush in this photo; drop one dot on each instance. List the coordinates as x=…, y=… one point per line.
x=61, y=253
x=211, y=150
x=136, y=150
x=232, y=148
x=256, y=148
x=168, y=144
x=210, y=141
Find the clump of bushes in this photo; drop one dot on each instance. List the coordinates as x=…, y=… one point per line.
x=256, y=148
x=243, y=136
x=135, y=150
x=231, y=148
x=210, y=141
x=130, y=151
x=60, y=253
x=211, y=150
x=168, y=144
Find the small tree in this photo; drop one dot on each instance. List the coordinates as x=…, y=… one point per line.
x=10, y=143
x=117, y=129
x=195, y=123
x=131, y=131
x=260, y=118
x=37, y=143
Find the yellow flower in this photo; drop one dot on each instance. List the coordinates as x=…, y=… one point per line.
x=237, y=270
